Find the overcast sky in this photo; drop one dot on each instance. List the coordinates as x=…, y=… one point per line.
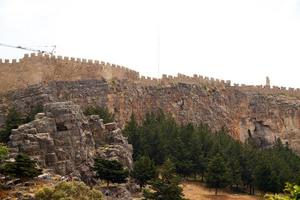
x=238, y=40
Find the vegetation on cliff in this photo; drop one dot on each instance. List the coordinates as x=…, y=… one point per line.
x=193, y=149
x=23, y=167
x=3, y=152
x=102, y=112
x=15, y=119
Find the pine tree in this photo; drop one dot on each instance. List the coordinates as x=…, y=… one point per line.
x=110, y=170
x=143, y=170
x=167, y=186
x=266, y=177
x=217, y=173
x=131, y=131
x=13, y=120
x=23, y=168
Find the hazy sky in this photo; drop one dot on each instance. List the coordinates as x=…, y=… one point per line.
x=238, y=40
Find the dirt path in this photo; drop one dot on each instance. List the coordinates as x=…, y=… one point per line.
x=194, y=191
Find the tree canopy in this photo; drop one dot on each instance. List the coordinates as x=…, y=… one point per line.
x=23, y=168
x=217, y=175
x=192, y=148
x=144, y=170
x=166, y=187
x=110, y=170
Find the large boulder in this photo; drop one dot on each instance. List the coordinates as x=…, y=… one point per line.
x=64, y=140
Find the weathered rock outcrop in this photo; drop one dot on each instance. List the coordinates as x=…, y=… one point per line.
x=264, y=117
x=66, y=141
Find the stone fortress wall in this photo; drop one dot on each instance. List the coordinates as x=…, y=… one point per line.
x=39, y=68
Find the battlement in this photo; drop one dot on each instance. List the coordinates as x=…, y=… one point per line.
x=40, y=68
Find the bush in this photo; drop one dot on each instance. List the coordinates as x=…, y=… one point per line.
x=292, y=193
x=3, y=152
x=23, y=168
x=102, y=112
x=68, y=191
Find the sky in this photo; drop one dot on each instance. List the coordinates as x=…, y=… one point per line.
x=239, y=40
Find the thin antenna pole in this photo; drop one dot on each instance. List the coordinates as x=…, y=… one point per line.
x=158, y=51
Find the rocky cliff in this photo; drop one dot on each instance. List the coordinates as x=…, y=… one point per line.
x=64, y=140
x=245, y=113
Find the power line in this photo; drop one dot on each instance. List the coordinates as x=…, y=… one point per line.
x=31, y=49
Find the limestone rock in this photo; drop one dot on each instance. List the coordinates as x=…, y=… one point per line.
x=64, y=140
x=262, y=113
x=119, y=192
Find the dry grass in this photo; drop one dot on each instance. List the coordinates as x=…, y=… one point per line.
x=195, y=191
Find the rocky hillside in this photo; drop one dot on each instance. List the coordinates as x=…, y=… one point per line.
x=63, y=140
x=263, y=117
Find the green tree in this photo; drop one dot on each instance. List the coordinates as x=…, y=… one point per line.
x=248, y=163
x=167, y=186
x=143, y=170
x=266, y=177
x=34, y=110
x=217, y=173
x=102, y=112
x=191, y=148
x=132, y=132
x=110, y=170
x=23, y=168
x=13, y=120
x=3, y=155
x=68, y=191
x=3, y=152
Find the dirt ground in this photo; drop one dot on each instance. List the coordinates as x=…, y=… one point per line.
x=194, y=191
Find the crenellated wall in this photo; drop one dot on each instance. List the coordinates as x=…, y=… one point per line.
x=42, y=69
x=39, y=68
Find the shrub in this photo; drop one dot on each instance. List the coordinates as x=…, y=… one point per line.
x=102, y=112
x=68, y=191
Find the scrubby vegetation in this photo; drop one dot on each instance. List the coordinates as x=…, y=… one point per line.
x=3, y=153
x=213, y=157
x=70, y=191
x=102, y=112
x=292, y=192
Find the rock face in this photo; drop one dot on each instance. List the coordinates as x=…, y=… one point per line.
x=64, y=140
x=245, y=113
